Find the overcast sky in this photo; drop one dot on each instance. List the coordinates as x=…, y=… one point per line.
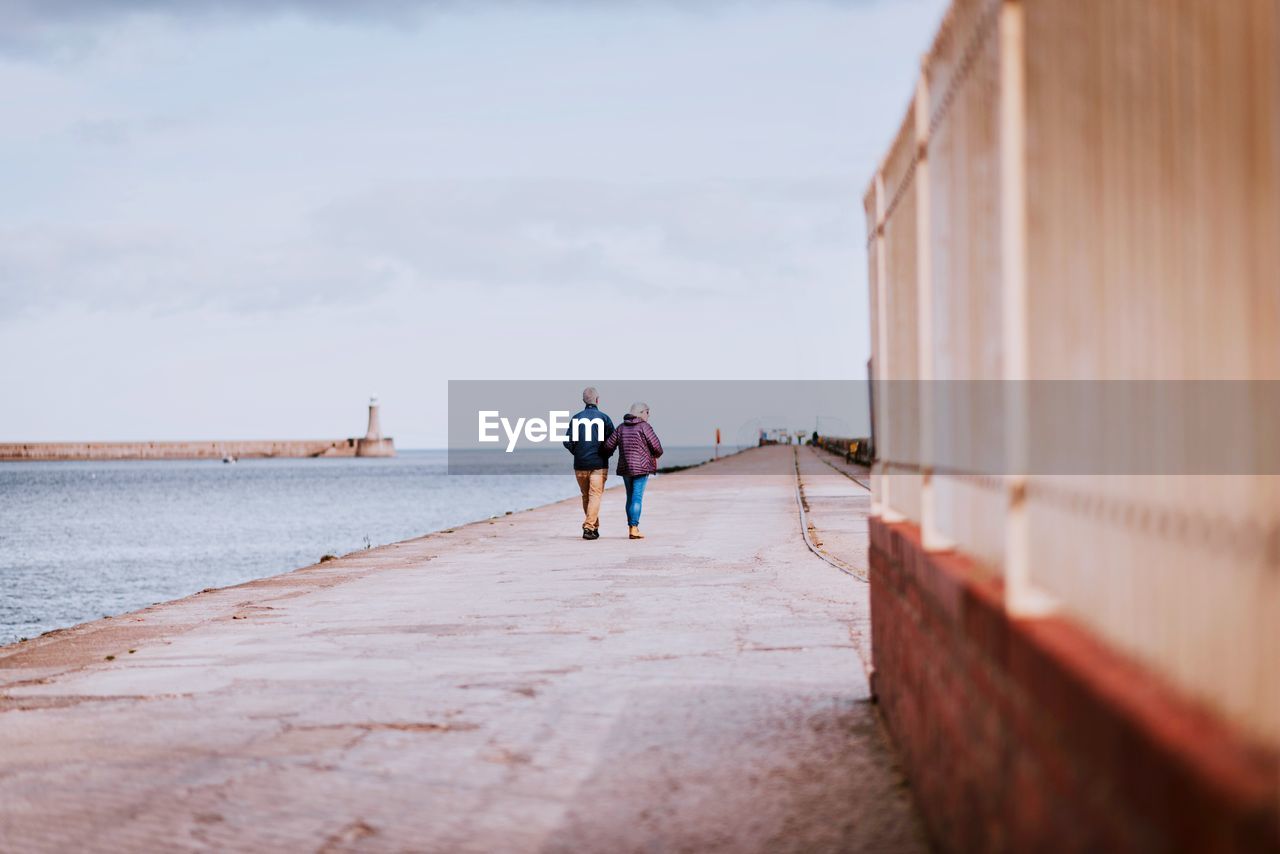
x=239, y=218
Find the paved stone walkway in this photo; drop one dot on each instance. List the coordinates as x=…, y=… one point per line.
x=503, y=687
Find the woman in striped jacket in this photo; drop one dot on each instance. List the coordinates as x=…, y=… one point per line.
x=639, y=459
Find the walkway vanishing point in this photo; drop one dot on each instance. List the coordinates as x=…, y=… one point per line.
x=502, y=687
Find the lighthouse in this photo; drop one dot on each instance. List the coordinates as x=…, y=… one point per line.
x=375, y=426
x=374, y=444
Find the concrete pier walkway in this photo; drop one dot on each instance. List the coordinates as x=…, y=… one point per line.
x=505, y=686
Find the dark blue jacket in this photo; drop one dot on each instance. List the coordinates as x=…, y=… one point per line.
x=588, y=454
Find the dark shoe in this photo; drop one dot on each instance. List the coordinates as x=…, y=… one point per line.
x=589, y=534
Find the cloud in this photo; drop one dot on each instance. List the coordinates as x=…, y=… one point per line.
x=115, y=131
x=34, y=13
x=729, y=237
x=166, y=269
x=296, y=191
x=700, y=239
x=39, y=28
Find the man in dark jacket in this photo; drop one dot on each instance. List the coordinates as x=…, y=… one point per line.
x=588, y=431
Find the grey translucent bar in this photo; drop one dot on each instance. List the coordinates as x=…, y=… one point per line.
x=981, y=427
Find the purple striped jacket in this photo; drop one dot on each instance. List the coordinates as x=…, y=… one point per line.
x=639, y=444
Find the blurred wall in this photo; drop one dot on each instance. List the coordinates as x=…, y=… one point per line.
x=1089, y=191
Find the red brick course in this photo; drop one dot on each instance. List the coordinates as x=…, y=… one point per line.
x=1032, y=735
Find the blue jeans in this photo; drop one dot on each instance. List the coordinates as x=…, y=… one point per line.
x=635, y=497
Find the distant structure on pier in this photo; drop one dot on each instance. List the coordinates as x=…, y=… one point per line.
x=374, y=444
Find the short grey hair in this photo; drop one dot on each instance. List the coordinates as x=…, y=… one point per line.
x=590, y=395
x=639, y=408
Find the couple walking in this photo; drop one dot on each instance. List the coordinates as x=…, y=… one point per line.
x=591, y=451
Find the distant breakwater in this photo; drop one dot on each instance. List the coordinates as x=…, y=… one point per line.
x=197, y=450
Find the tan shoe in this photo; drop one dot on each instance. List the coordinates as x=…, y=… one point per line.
x=633, y=533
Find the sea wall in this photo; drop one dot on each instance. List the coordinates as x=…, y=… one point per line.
x=193, y=450
x=381, y=447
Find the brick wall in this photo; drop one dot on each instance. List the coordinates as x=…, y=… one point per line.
x=1031, y=735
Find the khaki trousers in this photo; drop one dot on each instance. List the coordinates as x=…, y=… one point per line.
x=592, y=485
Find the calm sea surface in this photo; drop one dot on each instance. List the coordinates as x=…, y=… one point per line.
x=81, y=540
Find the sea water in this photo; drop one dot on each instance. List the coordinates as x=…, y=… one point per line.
x=83, y=540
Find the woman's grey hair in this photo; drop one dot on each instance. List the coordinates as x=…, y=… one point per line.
x=590, y=395
x=639, y=408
